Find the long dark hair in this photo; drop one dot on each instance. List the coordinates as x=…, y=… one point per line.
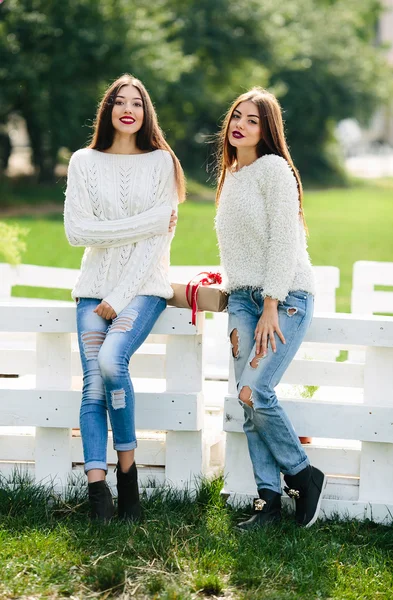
x=272, y=137
x=148, y=138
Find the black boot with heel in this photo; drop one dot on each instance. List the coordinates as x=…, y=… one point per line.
x=128, y=503
x=267, y=509
x=306, y=488
x=101, y=501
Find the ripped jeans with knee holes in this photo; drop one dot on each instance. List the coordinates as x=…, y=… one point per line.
x=105, y=349
x=272, y=442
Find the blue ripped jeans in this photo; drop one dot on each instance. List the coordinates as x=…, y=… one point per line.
x=105, y=349
x=272, y=441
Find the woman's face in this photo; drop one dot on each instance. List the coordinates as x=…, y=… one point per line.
x=244, y=127
x=127, y=113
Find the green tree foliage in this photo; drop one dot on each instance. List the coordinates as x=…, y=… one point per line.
x=195, y=57
x=59, y=56
x=318, y=56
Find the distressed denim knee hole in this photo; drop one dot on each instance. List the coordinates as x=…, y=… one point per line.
x=92, y=342
x=256, y=360
x=118, y=398
x=234, y=337
x=291, y=311
x=246, y=396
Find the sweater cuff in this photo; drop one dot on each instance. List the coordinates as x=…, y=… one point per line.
x=275, y=294
x=117, y=301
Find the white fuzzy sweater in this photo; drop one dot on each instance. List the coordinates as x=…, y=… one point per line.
x=119, y=206
x=260, y=234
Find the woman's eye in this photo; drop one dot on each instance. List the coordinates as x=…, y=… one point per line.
x=235, y=116
x=118, y=102
x=254, y=122
x=138, y=104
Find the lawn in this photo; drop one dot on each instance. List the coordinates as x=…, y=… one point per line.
x=345, y=225
x=184, y=549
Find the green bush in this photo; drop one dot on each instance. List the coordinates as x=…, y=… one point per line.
x=12, y=243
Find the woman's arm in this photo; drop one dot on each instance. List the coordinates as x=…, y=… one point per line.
x=148, y=251
x=84, y=229
x=282, y=208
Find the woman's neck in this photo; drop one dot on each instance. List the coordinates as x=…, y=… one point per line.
x=124, y=145
x=245, y=156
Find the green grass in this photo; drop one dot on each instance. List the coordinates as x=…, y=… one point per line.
x=345, y=225
x=185, y=548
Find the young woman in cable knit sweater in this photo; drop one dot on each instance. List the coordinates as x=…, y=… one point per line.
x=267, y=273
x=121, y=201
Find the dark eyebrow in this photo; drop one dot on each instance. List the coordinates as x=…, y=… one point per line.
x=118, y=96
x=237, y=110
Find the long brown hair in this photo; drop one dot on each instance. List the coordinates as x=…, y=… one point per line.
x=272, y=137
x=148, y=138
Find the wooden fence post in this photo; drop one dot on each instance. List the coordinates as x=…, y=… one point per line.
x=185, y=452
x=376, y=463
x=53, y=444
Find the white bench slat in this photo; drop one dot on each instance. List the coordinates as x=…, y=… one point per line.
x=62, y=319
x=166, y=411
x=325, y=419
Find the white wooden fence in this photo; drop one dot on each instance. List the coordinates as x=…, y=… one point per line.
x=365, y=299
x=175, y=443
x=50, y=401
x=216, y=347
x=360, y=479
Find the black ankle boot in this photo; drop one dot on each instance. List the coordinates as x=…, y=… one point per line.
x=101, y=501
x=128, y=494
x=267, y=509
x=307, y=490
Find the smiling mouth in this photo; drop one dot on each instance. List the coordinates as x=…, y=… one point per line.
x=237, y=135
x=127, y=120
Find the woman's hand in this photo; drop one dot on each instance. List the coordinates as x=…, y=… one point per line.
x=105, y=311
x=173, y=221
x=267, y=326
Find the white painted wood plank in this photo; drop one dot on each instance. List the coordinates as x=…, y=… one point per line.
x=17, y=447
x=334, y=461
x=184, y=363
x=23, y=362
x=341, y=328
x=325, y=419
x=168, y=411
x=39, y=276
x=53, y=445
x=18, y=362
x=62, y=319
x=382, y=301
x=317, y=372
x=149, y=452
x=376, y=470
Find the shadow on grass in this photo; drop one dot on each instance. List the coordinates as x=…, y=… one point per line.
x=186, y=547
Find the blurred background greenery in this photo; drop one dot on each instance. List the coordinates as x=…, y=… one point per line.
x=325, y=60
x=318, y=56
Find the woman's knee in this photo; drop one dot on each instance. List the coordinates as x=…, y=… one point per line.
x=109, y=364
x=258, y=397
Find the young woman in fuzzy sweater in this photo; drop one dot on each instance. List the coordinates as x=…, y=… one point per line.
x=267, y=272
x=121, y=201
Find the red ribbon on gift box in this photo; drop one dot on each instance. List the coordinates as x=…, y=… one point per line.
x=206, y=278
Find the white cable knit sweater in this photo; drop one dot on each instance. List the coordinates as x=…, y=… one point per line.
x=118, y=206
x=260, y=234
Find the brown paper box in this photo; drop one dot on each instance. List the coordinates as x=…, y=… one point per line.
x=210, y=297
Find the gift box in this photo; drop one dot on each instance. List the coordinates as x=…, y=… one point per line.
x=204, y=292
